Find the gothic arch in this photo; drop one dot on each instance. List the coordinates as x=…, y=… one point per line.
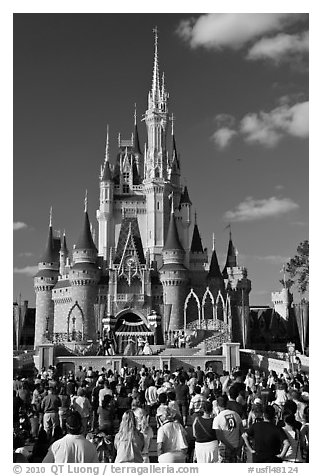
x=72, y=315
x=220, y=302
x=203, y=303
x=193, y=295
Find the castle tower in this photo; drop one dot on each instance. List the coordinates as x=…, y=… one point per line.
x=84, y=276
x=105, y=212
x=282, y=301
x=44, y=281
x=156, y=183
x=174, y=275
x=238, y=287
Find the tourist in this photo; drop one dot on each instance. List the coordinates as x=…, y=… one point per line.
x=171, y=439
x=129, y=442
x=270, y=442
x=106, y=415
x=295, y=396
x=50, y=406
x=95, y=402
x=206, y=446
x=123, y=403
x=182, y=397
x=63, y=407
x=73, y=447
x=294, y=452
x=147, y=432
x=82, y=405
x=228, y=426
x=197, y=403
x=40, y=447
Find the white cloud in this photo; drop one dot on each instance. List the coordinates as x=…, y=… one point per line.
x=223, y=137
x=282, y=47
x=268, y=128
x=28, y=270
x=19, y=225
x=232, y=30
x=25, y=254
x=251, y=209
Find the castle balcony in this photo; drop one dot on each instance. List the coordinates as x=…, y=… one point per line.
x=130, y=297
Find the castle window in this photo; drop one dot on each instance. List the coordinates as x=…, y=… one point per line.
x=126, y=177
x=126, y=189
x=158, y=205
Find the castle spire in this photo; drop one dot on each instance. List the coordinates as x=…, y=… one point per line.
x=85, y=240
x=107, y=148
x=196, y=243
x=231, y=260
x=172, y=241
x=49, y=253
x=85, y=202
x=136, y=145
x=214, y=270
x=155, y=77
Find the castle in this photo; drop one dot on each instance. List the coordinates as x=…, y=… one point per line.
x=148, y=274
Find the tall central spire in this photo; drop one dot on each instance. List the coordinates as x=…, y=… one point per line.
x=156, y=78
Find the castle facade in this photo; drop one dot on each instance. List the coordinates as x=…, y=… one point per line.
x=147, y=274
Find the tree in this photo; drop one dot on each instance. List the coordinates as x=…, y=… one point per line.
x=298, y=268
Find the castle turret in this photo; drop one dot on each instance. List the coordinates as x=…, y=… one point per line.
x=44, y=281
x=238, y=287
x=83, y=276
x=174, y=275
x=105, y=212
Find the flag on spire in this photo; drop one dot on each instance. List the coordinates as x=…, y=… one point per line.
x=51, y=216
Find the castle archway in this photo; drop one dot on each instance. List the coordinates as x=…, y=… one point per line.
x=132, y=331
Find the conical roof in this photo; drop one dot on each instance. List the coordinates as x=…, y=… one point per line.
x=214, y=270
x=196, y=243
x=185, y=197
x=63, y=246
x=231, y=260
x=85, y=240
x=107, y=173
x=136, y=145
x=172, y=241
x=49, y=253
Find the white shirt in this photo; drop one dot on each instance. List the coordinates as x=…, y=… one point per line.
x=172, y=436
x=72, y=449
x=230, y=424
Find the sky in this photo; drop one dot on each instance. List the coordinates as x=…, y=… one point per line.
x=238, y=86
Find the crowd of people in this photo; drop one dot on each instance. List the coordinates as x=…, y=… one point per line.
x=198, y=416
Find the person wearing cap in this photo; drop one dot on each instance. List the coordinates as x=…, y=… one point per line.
x=172, y=442
x=73, y=447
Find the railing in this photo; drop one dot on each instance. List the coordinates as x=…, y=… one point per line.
x=208, y=324
x=214, y=342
